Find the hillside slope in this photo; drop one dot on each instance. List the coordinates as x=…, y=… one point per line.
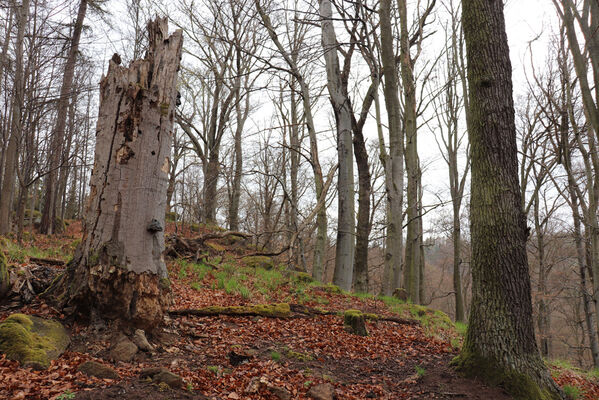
x=301, y=350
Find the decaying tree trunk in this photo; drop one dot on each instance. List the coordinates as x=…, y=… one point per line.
x=118, y=270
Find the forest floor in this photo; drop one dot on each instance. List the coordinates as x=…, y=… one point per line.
x=255, y=357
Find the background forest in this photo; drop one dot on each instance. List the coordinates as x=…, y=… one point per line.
x=378, y=204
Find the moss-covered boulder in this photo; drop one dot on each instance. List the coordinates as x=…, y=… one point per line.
x=259, y=262
x=354, y=322
x=303, y=277
x=32, y=341
x=4, y=278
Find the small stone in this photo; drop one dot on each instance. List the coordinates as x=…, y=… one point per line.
x=323, y=391
x=140, y=340
x=173, y=380
x=123, y=351
x=162, y=375
x=253, y=386
x=93, y=368
x=279, y=392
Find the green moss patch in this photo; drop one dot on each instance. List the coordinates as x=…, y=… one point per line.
x=280, y=310
x=32, y=341
x=354, y=322
x=259, y=262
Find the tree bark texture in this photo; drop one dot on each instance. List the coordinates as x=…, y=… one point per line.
x=412, y=268
x=118, y=269
x=10, y=162
x=393, y=164
x=344, y=255
x=500, y=346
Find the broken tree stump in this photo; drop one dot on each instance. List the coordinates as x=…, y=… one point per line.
x=118, y=270
x=354, y=322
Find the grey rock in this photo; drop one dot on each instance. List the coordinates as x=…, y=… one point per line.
x=140, y=340
x=279, y=392
x=93, y=368
x=162, y=375
x=323, y=391
x=124, y=350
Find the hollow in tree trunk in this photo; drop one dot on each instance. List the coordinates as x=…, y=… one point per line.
x=118, y=271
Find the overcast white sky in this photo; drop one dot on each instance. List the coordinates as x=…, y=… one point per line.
x=525, y=20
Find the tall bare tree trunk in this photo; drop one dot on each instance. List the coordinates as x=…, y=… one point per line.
x=344, y=255
x=412, y=271
x=118, y=270
x=57, y=142
x=394, y=163
x=500, y=346
x=10, y=162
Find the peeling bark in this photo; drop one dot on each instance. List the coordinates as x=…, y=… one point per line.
x=118, y=270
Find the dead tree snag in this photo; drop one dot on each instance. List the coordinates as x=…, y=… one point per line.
x=118, y=270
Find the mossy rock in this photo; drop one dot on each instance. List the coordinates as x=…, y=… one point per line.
x=354, y=322
x=332, y=288
x=299, y=356
x=259, y=262
x=32, y=341
x=303, y=277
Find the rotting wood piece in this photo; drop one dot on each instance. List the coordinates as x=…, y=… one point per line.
x=180, y=247
x=282, y=310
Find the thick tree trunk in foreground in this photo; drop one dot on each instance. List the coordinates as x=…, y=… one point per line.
x=500, y=346
x=119, y=270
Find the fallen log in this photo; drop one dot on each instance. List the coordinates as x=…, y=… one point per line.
x=179, y=247
x=310, y=311
x=279, y=310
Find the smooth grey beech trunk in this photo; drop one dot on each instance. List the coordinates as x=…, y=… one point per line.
x=394, y=161
x=344, y=255
x=118, y=270
x=10, y=162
